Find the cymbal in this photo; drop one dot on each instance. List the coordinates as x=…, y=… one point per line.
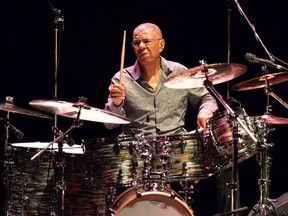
x=216, y=73
x=74, y=149
x=260, y=82
x=70, y=110
x=9, y=107
x=270, y=119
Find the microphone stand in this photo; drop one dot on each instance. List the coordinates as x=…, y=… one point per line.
x=235, y=119
x=58, y=22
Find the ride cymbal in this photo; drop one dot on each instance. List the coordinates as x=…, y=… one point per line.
x=270, y=119
x=70, y=110
x=216, y=73
x=8, y=106
x=261, y=82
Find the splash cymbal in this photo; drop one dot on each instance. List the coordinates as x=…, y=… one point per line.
x=70, y=110
x=216, y=73
x=262, y=81
x=10, y=107
x=270, y=119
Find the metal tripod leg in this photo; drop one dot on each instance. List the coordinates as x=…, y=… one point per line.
x=265, y=206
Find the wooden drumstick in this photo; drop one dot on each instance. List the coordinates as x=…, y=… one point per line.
x=122, y=58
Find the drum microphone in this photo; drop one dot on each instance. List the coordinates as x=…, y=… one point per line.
x=18, y=134
x=66, y=139
x=254, y=59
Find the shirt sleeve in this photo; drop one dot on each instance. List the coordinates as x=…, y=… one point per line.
x=201, y=99
x=109, y=106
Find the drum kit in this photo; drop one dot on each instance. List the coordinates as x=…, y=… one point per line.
x=145, y=167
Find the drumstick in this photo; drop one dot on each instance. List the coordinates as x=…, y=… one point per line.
x=122, y=58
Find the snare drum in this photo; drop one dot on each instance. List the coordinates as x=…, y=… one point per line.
x=136, y=201
x=221, y=139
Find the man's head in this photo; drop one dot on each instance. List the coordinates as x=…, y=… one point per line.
x=148, y=42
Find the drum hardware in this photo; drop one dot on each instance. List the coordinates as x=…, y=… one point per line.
x=235, y=121
x=265, y=205
x=188, y=191
x=59, y=163
x=158, y=151
x=9, y=107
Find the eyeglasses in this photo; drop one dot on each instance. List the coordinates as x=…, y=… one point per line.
x=146, y=41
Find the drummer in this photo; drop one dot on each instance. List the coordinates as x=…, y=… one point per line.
x=142, y=97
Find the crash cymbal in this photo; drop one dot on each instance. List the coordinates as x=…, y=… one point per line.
x=74, y=149
x=270, y=119
x=10, y=107
x=70, y=110
x=261, y=82
x=194, y=77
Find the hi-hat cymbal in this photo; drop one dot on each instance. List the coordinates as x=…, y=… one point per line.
x=71, y=110
x=9, y=107
x=270, y=119
x=74, y=149
x=262, y=81
x=216, y=73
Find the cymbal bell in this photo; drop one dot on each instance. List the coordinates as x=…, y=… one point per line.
x=70, y=110
x=216, y=73
x=10, y=107
x=261, y=82
x=270, y=119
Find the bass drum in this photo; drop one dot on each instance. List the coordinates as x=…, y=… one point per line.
x=136, y=201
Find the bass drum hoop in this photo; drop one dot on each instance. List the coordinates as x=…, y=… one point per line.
x=130, y=197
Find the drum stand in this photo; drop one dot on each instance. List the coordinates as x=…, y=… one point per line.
x=265, y=206
x=234, y=118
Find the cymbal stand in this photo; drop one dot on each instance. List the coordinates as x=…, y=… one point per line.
x=8, y=158
x=234, y=118
x=268, y=92
x=60, y=186
x=265, y=204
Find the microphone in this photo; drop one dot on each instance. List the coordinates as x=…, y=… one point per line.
x=254, y=59
x=18, y=134
x=66, y=139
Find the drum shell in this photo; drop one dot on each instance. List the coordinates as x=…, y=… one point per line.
x=110, y=162
x=221, y=139
x=31, y=182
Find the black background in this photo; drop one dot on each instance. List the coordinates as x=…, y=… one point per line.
x=90, y=50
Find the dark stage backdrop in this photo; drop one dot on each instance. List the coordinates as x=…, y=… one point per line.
x=90, y=50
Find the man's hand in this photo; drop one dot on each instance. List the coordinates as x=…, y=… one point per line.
x=117, y=93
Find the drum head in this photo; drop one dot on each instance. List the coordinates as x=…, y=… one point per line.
x=151, y=203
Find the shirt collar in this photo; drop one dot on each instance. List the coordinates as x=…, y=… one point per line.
x=135, y=71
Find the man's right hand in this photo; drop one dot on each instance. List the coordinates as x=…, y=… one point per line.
x=117, y=93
